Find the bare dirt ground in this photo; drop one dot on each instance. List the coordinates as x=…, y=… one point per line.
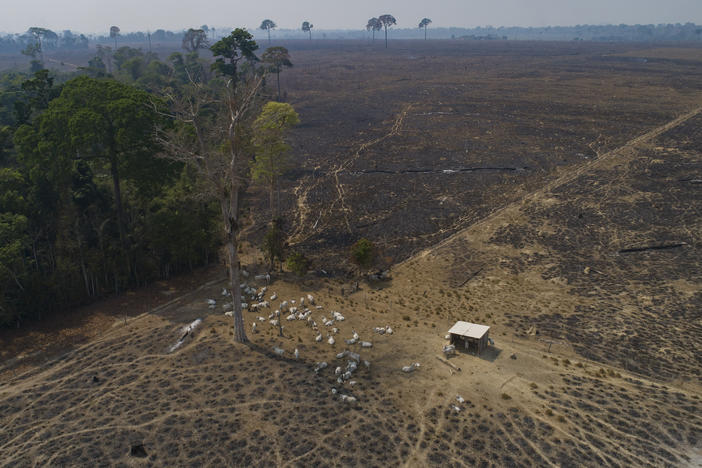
x=588, y=275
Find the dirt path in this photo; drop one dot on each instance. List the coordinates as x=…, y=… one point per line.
x=62, y=62
x=303, y=232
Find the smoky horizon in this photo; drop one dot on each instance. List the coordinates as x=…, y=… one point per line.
x=96, y=17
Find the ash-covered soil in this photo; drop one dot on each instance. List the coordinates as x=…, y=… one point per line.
x=407, y=146
x=625, y=238
x=587, y=273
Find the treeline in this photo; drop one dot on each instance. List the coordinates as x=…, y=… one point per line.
x=70, y=40
x=408, y=29
x=688, y=32
x=66, y=40
x=43, y=39
x=94, y=198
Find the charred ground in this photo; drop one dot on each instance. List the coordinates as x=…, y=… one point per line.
x=409, y=145
x=605, y=336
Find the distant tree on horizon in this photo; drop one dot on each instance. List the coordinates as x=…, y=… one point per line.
x=195, y=39
x=40, y=35
x=423, y=24
x=276, y=58
x=387, y=21
x=69, y=40
x=114, y=32
x=374, y=25
x=104, y=53
x=307, y=27
x=44, y=36
x=267, y=25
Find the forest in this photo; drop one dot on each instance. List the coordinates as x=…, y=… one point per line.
x=120, y=173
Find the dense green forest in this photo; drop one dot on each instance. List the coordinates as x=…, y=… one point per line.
x=91, y=202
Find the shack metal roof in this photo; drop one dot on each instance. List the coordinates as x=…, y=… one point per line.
x=471, y=330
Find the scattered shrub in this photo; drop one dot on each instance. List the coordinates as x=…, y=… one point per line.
x=298, y=263
x=274, y=243
x=363, y=253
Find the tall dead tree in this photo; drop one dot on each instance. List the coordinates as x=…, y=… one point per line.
x=210, y=133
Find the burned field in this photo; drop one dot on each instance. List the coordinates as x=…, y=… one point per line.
x=407, y=146
x=548, y=190
x=625, y=240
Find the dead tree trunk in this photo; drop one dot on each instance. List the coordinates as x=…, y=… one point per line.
x=222, y=171
x=271, y=200
x=230, y=209
x=278, y=76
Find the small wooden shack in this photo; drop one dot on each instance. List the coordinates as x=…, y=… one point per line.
x=470, y=336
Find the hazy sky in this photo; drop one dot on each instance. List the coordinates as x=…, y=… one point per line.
x=96, y=16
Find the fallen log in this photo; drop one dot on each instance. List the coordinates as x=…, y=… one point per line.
x=653, y=247
x=448, y=363
x=472, y=275
x=187, y=330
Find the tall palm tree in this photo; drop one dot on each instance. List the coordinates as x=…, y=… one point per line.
x=374, y=25
x=423, y=24
x=387, y=21
x=276, y=58
x=267, y=25
x=114, y=32
x=307, y=27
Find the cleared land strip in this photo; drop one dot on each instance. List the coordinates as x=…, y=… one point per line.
x=566, y=178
